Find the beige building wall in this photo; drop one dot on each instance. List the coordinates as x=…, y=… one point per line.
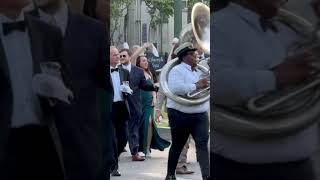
x=137, y=15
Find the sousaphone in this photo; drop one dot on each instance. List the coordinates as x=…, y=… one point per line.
x=198, y=32
x=277, y=113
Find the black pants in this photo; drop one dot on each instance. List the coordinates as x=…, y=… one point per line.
x=119, y=117
x=223, y=168
x=182, y=125
x=32, y=155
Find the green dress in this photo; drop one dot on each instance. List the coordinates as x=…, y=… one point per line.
x=148, y=111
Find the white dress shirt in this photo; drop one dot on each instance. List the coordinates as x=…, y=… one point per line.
x=127, y=67
x=17, y=48
x=59, y=19
x=115, y=75
x=243, y=56
x=181, y=80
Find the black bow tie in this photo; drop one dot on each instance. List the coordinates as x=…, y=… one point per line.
x=13, y=26
x=268, y=24
x=115, y=69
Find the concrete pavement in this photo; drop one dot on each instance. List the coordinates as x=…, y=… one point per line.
x=155, y=168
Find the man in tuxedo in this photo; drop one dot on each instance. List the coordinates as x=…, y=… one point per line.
x=120, y=108
x=82, y=126
x=137, y=82
x=29, y=146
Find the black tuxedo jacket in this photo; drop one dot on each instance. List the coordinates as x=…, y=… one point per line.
x=85, y=126
x=124, y=76
x=46, y=42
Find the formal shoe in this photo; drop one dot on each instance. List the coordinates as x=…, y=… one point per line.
x=115, y=173
x=137, y=158
x=170, y=177
x=183, y=170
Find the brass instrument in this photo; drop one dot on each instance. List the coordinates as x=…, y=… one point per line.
x=279, y=113
x=198, y=32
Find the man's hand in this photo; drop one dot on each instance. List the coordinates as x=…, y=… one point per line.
x=158, y=114
x=147, y=45
x=154, y=101
x=294, y=70
x=202, y=83
x=156, y=87
x=174, y=42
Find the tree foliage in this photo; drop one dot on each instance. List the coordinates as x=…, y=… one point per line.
x=118, y=9
x=160, y=11
x=192, y=2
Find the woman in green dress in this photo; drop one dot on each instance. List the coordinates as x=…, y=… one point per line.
x=149, y=136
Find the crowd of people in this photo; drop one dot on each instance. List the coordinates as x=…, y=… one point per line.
x=136, y=88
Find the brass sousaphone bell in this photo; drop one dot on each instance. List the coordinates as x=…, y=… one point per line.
x=198, y=32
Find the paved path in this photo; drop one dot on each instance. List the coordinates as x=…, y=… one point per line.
x=155, y=168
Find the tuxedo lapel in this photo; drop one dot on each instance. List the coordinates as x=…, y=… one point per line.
x=70, y=25
x=132, y=77
x=36, y=45
x=68, y=40
x=121, y=75
x=111, y=82
x=3, y=62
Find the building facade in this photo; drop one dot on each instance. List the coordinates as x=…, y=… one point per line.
x=135, y=28
x=135, y=24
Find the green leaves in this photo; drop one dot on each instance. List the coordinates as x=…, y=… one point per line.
x=192, y=2
x=160, y=11
x=118, y=7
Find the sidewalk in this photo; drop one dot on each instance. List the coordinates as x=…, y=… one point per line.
x=155, y=168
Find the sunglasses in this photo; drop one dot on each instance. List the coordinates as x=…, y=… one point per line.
x=121, y=56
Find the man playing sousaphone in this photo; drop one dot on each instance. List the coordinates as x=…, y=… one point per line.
x=250, y=50
x=186, y=120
